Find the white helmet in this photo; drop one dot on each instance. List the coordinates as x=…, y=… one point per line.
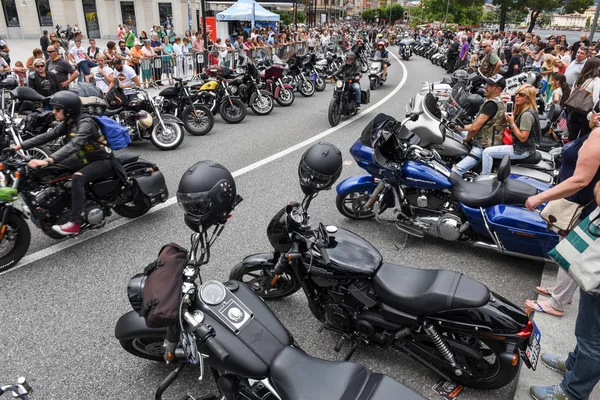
x=144, y=120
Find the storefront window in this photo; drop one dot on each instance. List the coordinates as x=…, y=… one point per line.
x=128, y=14
x=44, y=12
x=10, y=13
x=165, y=12
x=91, y=18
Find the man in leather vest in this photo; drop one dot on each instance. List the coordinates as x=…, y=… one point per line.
x=488, y=128
x=491, y=64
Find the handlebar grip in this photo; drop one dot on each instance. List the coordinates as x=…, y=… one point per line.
x=323, y=249
x=218, y=350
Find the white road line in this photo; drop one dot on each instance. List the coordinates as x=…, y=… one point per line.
x=48, y=251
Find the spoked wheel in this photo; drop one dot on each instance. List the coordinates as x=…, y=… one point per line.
x=353, y=205
x=150, y=348
x=197, y=119
x=38, y=153
x=15, y=242
x=258, y=278
x=168, y=138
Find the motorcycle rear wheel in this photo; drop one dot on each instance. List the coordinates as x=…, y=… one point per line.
x=351, y=205
x=149, y=348
x=286, y=97
x=258, y=276
x=200, y=122
x=334, y=114
x=15, y=243
x=233, y=112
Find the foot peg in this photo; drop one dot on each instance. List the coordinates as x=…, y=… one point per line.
x=340, y=343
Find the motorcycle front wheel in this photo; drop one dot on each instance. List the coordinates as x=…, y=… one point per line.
x=334, y=115
x=169, y=138
x=306, y=88
x=352, y=205
x=149, y=348
x=319, y=84
x=364, y=67
x=15, y=242
x=259, y=277
x=232, y=110
x=261, y=106
x=286, y=97
x=197, y=119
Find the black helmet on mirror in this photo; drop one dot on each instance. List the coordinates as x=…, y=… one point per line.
x=319, y=167
x=68, y=101
x=207, y=195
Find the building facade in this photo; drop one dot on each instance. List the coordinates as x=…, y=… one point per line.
x=26, y=19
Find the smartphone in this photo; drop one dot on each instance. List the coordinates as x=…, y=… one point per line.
x=510, y=107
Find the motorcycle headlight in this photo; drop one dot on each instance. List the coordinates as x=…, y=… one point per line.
x=99, y=110
x=233, y=89
x=135, y=291
x=158, y=100
x=339, y=84
x=91, y=110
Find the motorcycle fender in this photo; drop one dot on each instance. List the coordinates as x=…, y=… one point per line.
x=263, y=259
x=288, y=86
x=131, y=325
x=357, y=183
x=277, y=91
x=151, y=189
x=171, y=118
x=266, y=93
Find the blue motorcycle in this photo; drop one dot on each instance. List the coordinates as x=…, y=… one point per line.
x=428, y=199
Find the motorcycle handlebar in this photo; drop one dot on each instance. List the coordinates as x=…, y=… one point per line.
x=218, y=350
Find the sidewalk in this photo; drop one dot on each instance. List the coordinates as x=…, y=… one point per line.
x=558, y=337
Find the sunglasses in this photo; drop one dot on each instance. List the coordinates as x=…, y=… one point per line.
x=51, y=51
x=39, y=66
x=484, y=47
x=521, y=94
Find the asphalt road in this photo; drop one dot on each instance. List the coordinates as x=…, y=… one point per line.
x=57, y=314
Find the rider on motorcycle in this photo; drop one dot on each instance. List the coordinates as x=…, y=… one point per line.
x=384, y=55
x=93, y=158
x=350, y=71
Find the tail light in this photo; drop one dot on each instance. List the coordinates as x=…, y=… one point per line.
x=527, y=331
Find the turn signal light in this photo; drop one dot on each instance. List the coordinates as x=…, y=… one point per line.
x=1, y=166
x=527, y=331
x=515, y=359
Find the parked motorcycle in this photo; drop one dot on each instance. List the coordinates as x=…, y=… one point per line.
x=343, y=102
x=246, y=86
x=177, y=100
x=250, y=354
x=217, y=95
x=296, y=78
x=450, y=323
x=144, y=121
x=46, y=194
x=271, y=75
x=376, y=71
x=309, y=69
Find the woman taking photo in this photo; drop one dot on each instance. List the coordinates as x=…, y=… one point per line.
x=588, y=80
x=522, y=128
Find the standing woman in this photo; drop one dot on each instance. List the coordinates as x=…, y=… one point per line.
x=588, y=80
x=560, y=89
x=92, y=51
x=523, y=127
x=167, y=59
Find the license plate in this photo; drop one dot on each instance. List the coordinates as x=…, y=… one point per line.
x=532, y=352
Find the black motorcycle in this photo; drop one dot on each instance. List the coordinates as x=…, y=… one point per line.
x=246, y=86
x=178, y=101
x=405, y=48
x=343, y=102
x=296, y=77
x=250, y=354
x=144, y=120
x=450, y=323
x=46, y=194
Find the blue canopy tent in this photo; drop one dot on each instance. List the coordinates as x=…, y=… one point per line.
x=247, y=10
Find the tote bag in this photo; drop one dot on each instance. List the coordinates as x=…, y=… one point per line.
x=579, y=253
x=580, y=100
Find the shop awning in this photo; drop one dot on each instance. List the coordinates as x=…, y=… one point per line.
x=247, y=10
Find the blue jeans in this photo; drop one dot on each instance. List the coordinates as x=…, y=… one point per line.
x=583, y=364
x=487, y=159
x=356, y=88
x=469, y=161
x=84, y=68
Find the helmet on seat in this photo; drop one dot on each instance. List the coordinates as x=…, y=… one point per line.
x=207, y=195
x=69, y=102
x=319, y=167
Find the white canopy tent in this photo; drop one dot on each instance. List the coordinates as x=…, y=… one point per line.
x=247, y=10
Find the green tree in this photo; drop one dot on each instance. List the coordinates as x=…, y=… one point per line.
x=462, y=12
x=369, y=15
x=537, y=7
x=300, y=17
x=397, y=12
x=286, y=17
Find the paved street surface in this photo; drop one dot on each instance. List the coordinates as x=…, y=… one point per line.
x=58, y=311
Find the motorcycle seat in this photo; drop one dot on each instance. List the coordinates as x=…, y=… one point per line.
x=490, y=192
x=298, y=376
x=127, y=158
x=532, y=159
x=25, y=93
x=427, y=291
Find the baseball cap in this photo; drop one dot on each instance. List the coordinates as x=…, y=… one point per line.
x=137, y=43
x=496, y=80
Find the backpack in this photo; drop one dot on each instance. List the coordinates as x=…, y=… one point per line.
x=162, y=287
x=116, y=98
x=116, y=135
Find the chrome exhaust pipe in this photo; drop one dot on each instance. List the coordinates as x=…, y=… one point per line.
x=490, y=246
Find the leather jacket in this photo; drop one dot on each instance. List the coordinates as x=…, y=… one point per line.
x=348, y=71
x=86, y=140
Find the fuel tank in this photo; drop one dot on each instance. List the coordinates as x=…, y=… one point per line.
x=425, y=176
x=350, y=255
x=169, y=92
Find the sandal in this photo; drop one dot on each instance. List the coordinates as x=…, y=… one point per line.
x=534, y=305
x=546, y=291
